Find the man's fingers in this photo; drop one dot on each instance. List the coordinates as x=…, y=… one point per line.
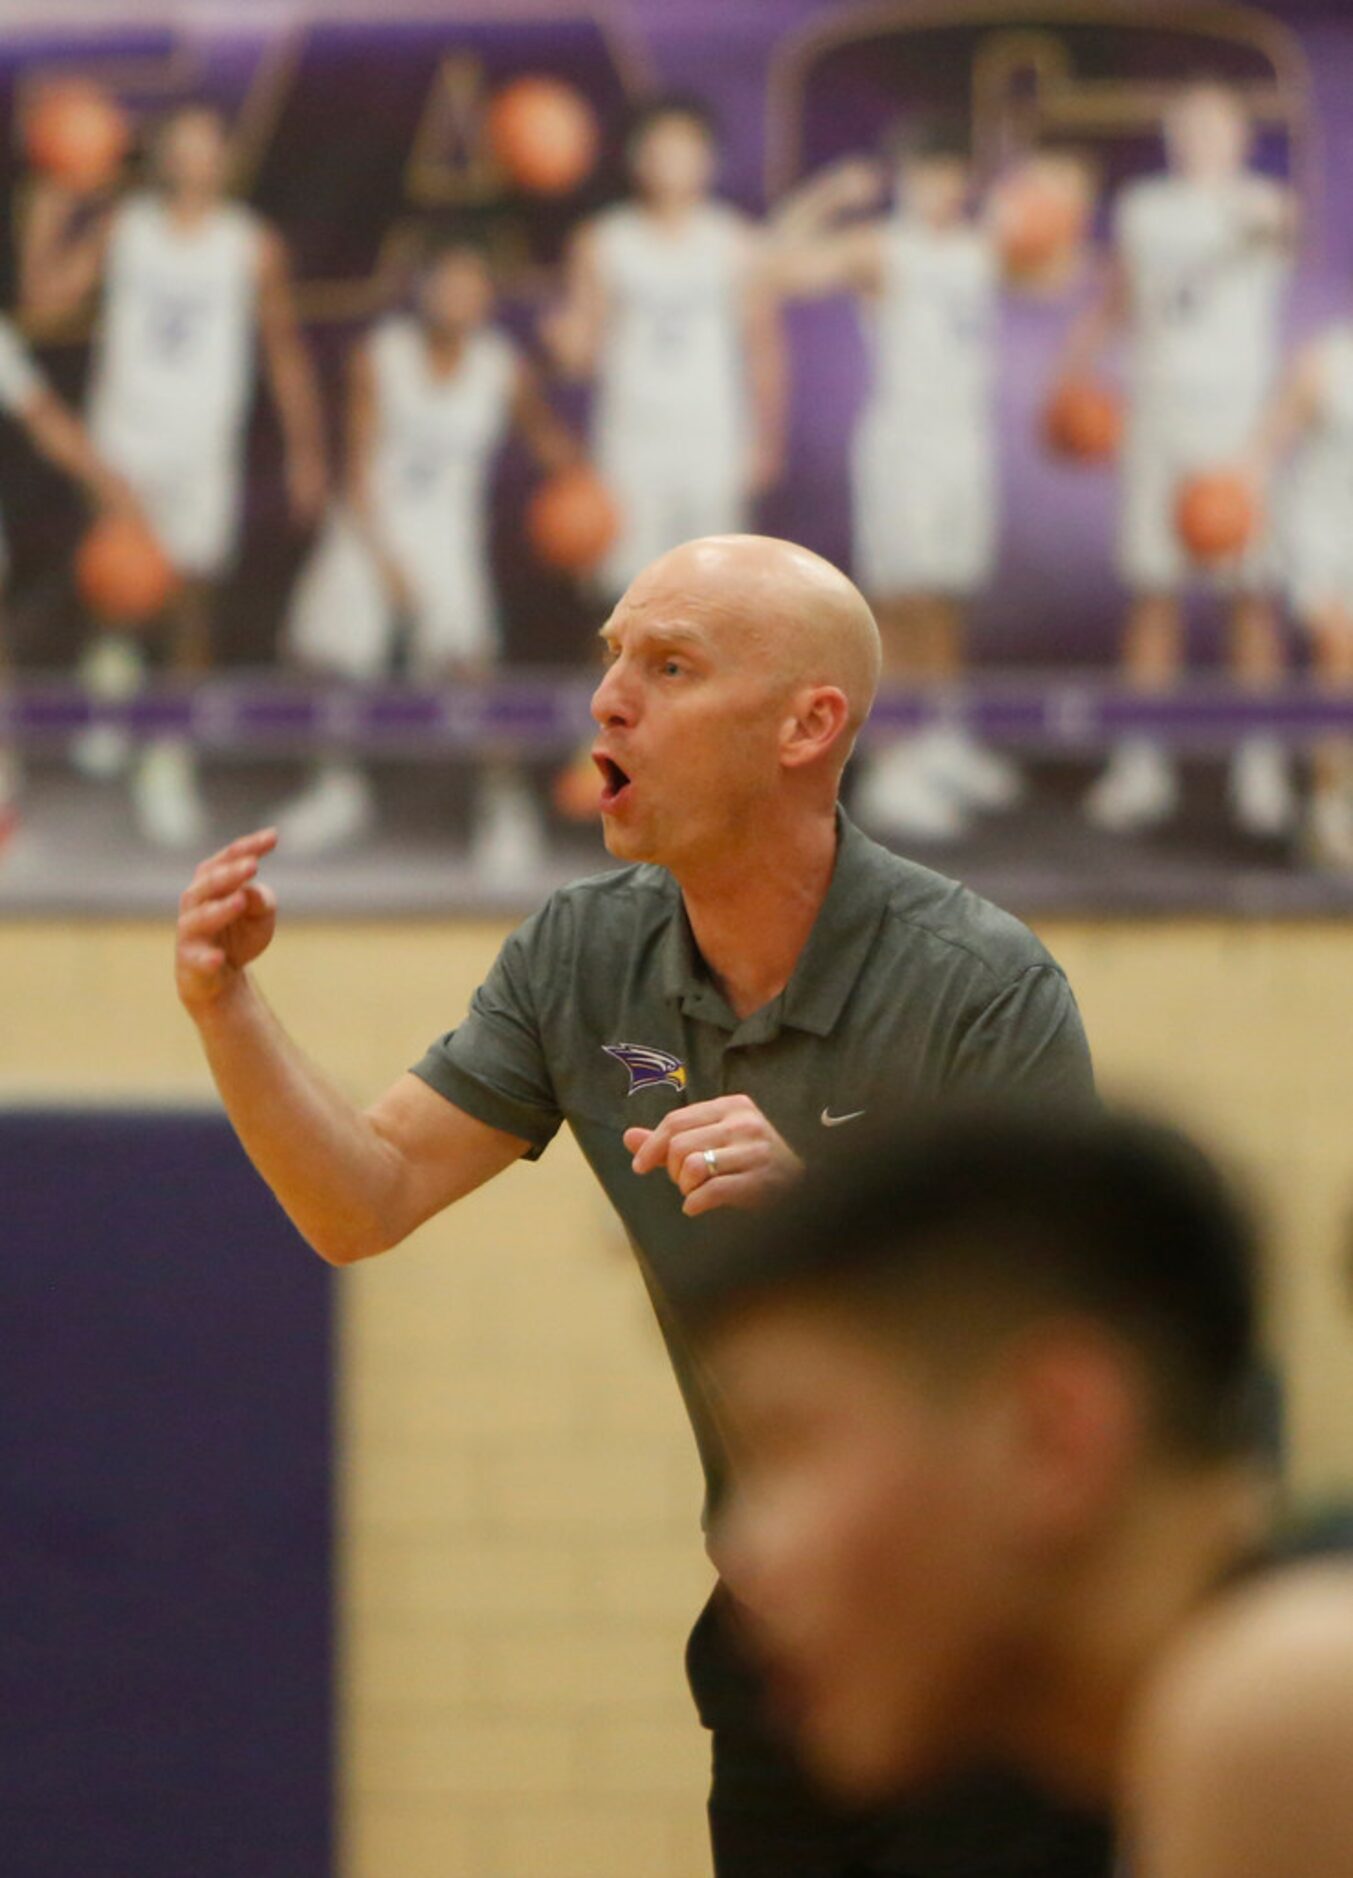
x=210, y=882
x=259, y=899
x=727, y=1190
x=259, y=841
x=212, y=916
x=699, y=1115
x=200, y=957
x=634, y=1138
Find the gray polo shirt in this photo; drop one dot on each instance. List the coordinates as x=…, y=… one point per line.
x=599, y=1012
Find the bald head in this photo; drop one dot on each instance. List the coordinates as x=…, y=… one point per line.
x=777, y=603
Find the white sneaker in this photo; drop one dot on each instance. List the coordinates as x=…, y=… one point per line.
x=1139, y=789
x=507, y=847
x=977, y=777
x=1263, y=799
x=334, y=810
x=165, y=797
x=1329, y=830
x=898, y=796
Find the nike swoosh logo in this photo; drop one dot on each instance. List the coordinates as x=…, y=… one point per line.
x=834, y=1121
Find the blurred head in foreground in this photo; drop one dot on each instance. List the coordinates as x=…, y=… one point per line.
x=454, y=293
x=988, y=1392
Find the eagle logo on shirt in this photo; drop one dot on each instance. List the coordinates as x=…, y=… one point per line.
x=649, y=1069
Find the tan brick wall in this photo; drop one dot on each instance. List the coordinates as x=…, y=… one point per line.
x=521, y=1555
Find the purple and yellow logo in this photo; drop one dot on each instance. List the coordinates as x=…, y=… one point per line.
x=648, y=1069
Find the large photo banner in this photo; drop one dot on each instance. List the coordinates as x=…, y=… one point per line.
x=353, y=361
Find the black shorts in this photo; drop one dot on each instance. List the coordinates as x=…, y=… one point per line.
x=766, y=1820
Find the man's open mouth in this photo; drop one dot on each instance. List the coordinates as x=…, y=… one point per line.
x=614, y=780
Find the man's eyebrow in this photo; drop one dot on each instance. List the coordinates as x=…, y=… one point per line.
x=672, y=632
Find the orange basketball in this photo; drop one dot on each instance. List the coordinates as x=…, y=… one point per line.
x=122, y=572
x=571, y=520
x=1217, y=515
x=544, y=134
x=1083, y=421
x=577, y=788
x=77, y=134
x=1042, y=215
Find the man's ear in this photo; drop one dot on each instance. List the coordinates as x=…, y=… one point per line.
x=1082, y=1423
x=813, y=725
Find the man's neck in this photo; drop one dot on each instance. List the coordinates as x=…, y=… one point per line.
x=751, y=911
x=1116, y=1628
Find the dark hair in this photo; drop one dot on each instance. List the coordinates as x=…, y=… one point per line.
x=988, y=1217
x=443, y=241
x=936, y=140
x=665, y=104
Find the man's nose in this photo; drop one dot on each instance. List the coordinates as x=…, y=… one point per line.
x=611, y=702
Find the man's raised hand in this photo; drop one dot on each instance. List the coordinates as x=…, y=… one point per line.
x=752, y=1163
x=226, y=918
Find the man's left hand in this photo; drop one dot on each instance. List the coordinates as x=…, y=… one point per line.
x=752, y=1166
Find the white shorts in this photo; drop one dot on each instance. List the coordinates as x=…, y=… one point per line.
x=1317, y=545
x=1168, y=440
x=924, y=506
x=191, y=493
x=342, y=618
x=669, y=488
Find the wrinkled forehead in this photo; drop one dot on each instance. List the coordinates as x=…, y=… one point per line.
x=659, y=607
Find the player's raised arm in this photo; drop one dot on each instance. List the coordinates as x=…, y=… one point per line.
x=60, y=260
x=572, y=331
x=353, y=1182
x=767, y=369
x=291, y=377
x=809, y=253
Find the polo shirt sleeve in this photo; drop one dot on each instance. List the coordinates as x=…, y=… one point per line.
x=493, y=1065
x=1027, y=1040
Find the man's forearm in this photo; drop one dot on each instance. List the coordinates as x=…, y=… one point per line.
x=325, y=1161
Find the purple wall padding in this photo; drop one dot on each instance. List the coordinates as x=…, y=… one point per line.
x=166, y=1509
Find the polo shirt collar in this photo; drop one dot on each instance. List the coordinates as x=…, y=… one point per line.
x=830, y=962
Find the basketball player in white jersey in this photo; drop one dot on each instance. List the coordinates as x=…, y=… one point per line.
x=58, y=435
x=923, y=463
x=666, y=308
x=1201, y=260
x=403, y=563
x=1311, y=421
x=191, y=283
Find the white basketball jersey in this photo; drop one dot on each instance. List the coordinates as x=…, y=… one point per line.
x=672, y=352
x=437, y=433
x=1323, y=467
x=177, y=331
x=1205, y=290
x=20, y=379
x=932, y=327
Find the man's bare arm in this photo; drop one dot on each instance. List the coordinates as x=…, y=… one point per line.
x=354, y=1182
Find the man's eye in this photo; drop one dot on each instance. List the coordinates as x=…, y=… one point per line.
x=672, y=668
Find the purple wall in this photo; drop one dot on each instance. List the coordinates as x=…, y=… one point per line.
x=165, y=1509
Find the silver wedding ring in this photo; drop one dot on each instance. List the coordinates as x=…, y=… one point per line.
x=711, y=1160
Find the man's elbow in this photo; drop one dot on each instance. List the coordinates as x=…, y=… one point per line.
x=348, y=1242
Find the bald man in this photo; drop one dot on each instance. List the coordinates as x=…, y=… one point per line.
x=705, y=1018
